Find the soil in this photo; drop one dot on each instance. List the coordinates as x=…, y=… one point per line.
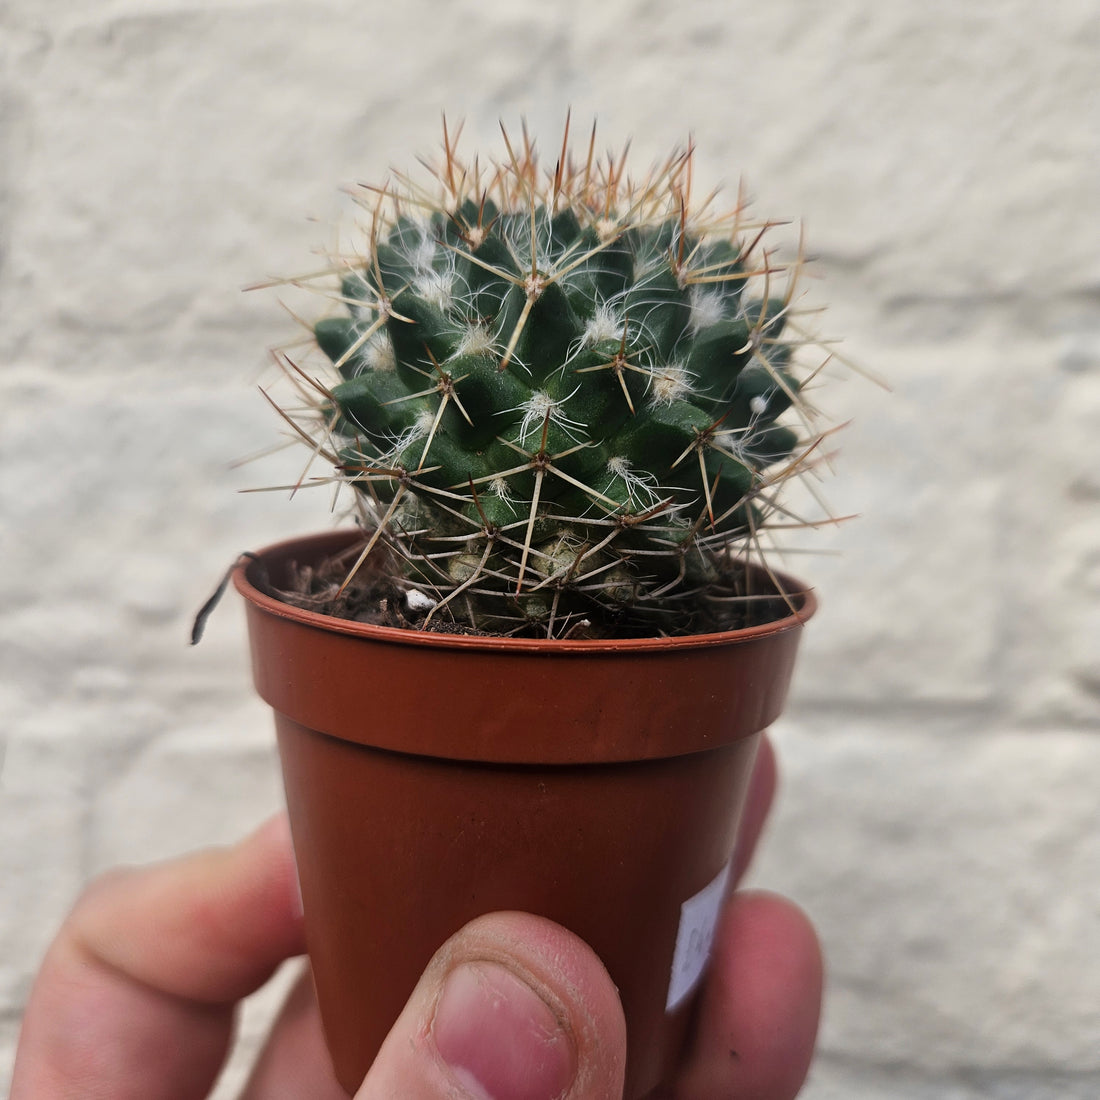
x=379, y=596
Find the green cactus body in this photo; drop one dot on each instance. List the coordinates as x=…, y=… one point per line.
x=562, y=400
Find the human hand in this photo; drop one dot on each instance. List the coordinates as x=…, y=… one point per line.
x=137, y=995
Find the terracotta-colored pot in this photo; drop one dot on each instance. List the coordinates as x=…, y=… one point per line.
x=433, y=778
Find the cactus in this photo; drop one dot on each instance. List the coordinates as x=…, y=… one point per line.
x=566, y=400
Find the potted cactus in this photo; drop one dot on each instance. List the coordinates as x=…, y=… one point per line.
x=533, y=674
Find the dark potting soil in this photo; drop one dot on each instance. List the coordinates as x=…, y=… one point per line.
x=369, y=592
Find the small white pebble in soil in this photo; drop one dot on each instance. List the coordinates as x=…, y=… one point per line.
x=417, y=601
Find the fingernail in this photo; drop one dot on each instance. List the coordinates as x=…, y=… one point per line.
x=501, y=1040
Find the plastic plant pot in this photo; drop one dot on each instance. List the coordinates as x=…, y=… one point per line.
x=432, y=778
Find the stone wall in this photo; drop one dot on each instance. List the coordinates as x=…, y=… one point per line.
x=942, y=755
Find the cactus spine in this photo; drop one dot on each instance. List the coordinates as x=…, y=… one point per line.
x=566, y=400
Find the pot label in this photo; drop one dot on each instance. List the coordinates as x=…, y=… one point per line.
x=694, y=938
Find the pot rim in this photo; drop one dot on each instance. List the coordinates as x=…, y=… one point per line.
x=794, y=589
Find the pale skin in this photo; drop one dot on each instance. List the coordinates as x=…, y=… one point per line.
x=137, y=995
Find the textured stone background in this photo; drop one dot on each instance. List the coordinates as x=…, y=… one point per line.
x=942, y=756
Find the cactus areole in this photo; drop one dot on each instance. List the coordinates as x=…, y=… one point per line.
x=566, y=399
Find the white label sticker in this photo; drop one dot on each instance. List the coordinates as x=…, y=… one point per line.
x=698, y=920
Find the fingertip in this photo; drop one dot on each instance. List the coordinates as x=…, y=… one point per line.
x=511, y=1005
x=572, y=978
x=274, y=837
x=209, y=926
x=275, y=830
x=762, y=1003
x=760, y=921
x=758, y=803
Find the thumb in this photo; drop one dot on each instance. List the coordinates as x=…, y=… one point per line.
x=512, y=1007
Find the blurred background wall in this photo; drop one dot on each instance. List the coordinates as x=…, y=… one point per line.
x=938, y=815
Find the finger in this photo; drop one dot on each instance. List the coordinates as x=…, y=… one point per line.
x=135, y=997
x=512, y=1006
x=758, y=803
x=295, y=1061
x=760, y=1007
